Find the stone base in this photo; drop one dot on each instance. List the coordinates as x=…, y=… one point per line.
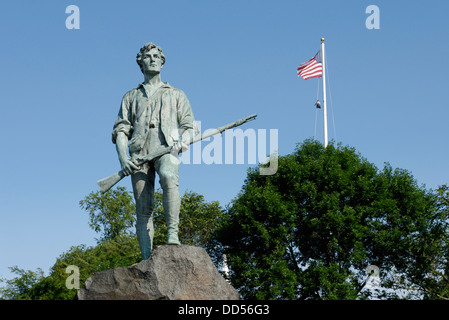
x=173, y=272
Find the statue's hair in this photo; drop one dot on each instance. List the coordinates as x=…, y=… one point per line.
x=147, y=47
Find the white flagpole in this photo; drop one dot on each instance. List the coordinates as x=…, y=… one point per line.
x=324, y=93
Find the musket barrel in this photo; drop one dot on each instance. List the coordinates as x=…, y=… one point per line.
x=223, y=128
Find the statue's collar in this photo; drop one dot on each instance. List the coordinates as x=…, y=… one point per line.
x=164, y=85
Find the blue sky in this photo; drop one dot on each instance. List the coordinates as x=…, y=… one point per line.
x=61, y=91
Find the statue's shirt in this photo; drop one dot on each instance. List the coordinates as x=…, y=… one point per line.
x=165, y=110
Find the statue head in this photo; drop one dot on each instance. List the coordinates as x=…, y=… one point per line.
x=144, y=50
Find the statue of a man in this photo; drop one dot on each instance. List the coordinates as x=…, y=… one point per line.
x=152, y=116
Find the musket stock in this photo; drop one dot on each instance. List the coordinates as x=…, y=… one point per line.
x=107, y=183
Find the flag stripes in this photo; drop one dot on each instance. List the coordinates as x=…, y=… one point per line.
x=312, y=68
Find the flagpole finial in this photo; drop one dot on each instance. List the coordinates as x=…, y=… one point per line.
x=322, y=39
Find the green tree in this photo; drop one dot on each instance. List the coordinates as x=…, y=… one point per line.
x=435, y=283
x=18, y=287
x=107, y=254
x=311, y=230
x=112, y=213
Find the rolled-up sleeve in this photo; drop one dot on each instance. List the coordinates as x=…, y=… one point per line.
x=123, y=122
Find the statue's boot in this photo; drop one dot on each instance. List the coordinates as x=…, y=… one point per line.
x=171, y=202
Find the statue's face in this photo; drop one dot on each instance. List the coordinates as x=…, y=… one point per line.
x=152, y=62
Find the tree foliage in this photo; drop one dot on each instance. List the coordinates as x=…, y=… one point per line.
x=111, y=214
x=311, y=230
x=18, y=287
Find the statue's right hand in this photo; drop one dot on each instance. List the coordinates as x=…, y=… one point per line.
x=128, y=166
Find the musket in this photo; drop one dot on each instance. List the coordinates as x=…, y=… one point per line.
x=107, y=183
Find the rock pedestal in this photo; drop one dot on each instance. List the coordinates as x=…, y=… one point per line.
x=173, y=272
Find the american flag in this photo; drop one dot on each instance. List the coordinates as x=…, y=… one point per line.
x=312, y=68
